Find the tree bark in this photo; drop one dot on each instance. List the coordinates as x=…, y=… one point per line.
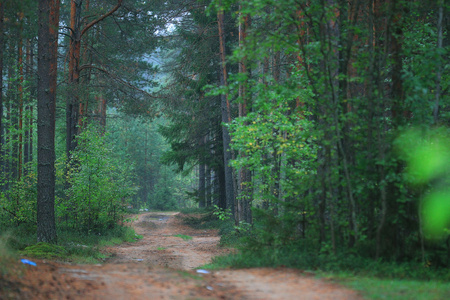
x=244, y=175
x=29, y=120
x=20, y=89
x=31, y=109
x=72, y=109
x=2, y=141
x=226, y=118
x=208, y=186
x=75, y=110
x=47, y=71
x=439, y=67
x=396, y=40
x=201, y=185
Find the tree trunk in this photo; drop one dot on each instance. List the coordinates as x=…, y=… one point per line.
x=220, y=171
x=75, y=109
x=101, y=112
x=8, y=146
x=102, y=103
x=13, y=109
x=226, y=118
x=201, y=185
x=2, y=140
x=31, y=109
x=208, y=186
x=439, y=67
x=28, y=121
x=72, y=104
x=20, y=89
x=47, y=71
x=396, y=39
x=244, y=175
x=390, y=191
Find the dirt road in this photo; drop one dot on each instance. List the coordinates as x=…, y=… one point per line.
x=161, y=266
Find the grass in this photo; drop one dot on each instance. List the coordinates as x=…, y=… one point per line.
x=295, y=257
x=373, y=279
x=370, y=287
x=393, y=289
x=161, y=248
x=76, y=247
x=184, y=237
x=44, y=250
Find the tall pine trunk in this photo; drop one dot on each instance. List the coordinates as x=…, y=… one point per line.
x=72, y=104
x=75, y=108
x=226, y=118
x=2, y=140
x=20, y=89
x=47, y=71
x=201, y=184
x=244, y=175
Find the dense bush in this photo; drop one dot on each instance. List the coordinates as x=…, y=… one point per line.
x=100, y=185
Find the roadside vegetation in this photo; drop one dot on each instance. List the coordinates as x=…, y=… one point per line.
x=72, y=246
x=374, y=279
x=94, y=198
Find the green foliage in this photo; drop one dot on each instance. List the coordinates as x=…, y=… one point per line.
x=138, y=143
x=162, y=198
x=18, y=203
x=193, y=130
x=374, y=288
x=8, y=258
x=73, y=246
x=130, y=220
x=302, y=256
x=45, y=250
x=222, y=214
x=184, y=237
x=427, y=154
x=83, y=248
x=101, y=185
x=328, y=94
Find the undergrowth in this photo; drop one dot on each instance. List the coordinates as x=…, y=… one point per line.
x=205, y=218
x=200, y=218
x=342, y=263
x=73, y=246
x=8, y=258
x=373, y=279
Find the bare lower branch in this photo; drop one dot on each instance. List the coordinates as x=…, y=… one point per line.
x=88, y=26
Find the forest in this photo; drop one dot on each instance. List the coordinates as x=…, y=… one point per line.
x=313, y=129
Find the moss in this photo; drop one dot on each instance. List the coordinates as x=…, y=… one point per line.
x=45, y=250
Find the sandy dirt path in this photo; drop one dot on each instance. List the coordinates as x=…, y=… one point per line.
x=161, y=266
x=160, y=247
